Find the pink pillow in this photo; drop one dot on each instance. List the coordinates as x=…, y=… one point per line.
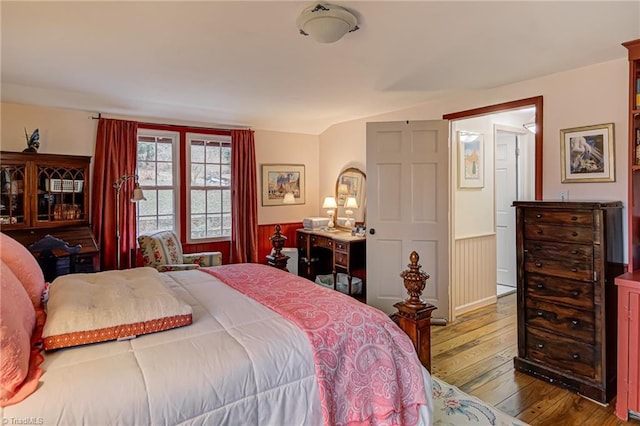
x=19, y=371
x=24, y=266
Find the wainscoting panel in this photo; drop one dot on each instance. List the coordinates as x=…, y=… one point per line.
x=473, y=273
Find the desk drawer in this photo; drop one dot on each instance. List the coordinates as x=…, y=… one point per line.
x=320, y=241
x=342, y=246
x=342, y=259
x=558, y=217
x=559, y=233
x=561, y=352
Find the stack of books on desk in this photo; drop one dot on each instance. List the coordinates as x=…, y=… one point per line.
x=315, y=223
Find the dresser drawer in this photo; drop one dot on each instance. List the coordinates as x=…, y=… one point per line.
x=561, y=352
x=560, y=268
x=560, y=217
x=573, y=323
x=559, y=233
x=553, y=250
x=552, y=289
x=341, y=259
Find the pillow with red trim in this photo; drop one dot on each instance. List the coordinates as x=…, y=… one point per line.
x=24, y=266
x=19, y=371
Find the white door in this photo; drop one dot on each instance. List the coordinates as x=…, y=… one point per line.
x=407, y=210
x=506, y=192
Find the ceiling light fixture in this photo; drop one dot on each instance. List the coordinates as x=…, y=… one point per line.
x=530, y=127
x=326, y=23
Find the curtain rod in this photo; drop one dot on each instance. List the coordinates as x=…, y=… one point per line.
x=179, y=125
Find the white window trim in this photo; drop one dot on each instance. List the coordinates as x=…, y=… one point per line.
x=188, y=137
x=175, y=151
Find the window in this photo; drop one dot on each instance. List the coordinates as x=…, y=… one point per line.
x=157, y=165
x=209, y=186
x=205, y=182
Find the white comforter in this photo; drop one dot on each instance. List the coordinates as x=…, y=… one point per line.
x=239, y=363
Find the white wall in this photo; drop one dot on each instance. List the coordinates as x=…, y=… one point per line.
x=64, y=131
x=585, y=96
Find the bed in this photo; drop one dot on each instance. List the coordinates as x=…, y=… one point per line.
x=243, y=360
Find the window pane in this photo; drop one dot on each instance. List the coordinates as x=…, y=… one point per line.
x=198, y=204
x=146, y=151
x=165, y=201
x=197, y=153
x=165, y=152
x=226, y=201
x=214, y=201
x=147, y=224
x=226, y=155
x=214, y=226
x=226, y=223
x=147, y=173
x=197, y=175
x=198, y=224
x=165, y=174
x=213, y=175
x=213, y=154
x=166, y=222
x=148, y=207
x=226, y=175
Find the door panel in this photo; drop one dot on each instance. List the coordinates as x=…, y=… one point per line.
x=506, y=192
x=407, y=206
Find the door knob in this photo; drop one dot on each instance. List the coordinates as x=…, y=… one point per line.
x=372, y=231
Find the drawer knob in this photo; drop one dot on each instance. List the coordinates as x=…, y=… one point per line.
x=575, y=356
x=540, y=285
x=574, y=251
x=538, y=215
x=537, y=248
x=540, y=314
x=540, y=345
x=539, y=231
x=574, y=322
x=574, y=269
x=574, y=217
x=575, y=293
x=539, y=264
x=574, y=233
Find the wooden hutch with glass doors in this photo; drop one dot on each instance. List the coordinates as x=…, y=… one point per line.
x=48, y=194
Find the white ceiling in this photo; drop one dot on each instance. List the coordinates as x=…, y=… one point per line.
x=244, y=63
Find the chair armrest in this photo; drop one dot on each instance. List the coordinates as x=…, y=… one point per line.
x=209, y=258
x=176, y=267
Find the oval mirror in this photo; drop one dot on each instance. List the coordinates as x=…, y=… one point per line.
x=351, y=198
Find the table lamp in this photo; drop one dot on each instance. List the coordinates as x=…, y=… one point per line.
x=330, y=204
x=350, y=203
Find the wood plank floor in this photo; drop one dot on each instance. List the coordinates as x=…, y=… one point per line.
x=475, y=353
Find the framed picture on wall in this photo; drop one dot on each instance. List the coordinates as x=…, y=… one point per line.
x=470, y=160
x=278, y=180
x=587, y=154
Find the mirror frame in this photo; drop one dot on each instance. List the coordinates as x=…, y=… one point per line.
x=361, y=187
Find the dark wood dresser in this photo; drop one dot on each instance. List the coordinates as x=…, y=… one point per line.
x=568, y=254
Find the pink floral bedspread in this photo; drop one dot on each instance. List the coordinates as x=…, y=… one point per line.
x=368, y=371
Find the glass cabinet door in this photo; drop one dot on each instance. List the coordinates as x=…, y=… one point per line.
x=12, y=196
x=61, y=194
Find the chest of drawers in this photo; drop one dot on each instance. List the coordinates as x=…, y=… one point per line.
x=568, y=254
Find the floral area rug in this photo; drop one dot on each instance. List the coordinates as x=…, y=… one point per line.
x=452, y=407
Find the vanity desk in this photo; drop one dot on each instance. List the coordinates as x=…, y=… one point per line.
x=321, y=251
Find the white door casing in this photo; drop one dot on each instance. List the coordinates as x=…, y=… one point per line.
x=408, y=210
x=507, y=183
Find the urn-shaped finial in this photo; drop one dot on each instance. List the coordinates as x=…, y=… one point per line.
x=277, y=241
x=414, y=281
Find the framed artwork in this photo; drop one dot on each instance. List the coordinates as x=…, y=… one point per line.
x=350, y=183
x=470, y=160
x=587, y=154
x=280, y=179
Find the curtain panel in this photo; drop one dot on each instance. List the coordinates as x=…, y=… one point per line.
x=244, y=198
x=115, y=156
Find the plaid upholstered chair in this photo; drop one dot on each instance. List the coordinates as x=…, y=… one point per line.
x=162, y=250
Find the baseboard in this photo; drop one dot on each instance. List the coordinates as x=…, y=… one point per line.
x=477, y=304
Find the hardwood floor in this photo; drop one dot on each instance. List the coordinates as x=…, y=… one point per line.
x=475, y=353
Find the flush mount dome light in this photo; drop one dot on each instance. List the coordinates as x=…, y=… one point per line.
x=326, y=23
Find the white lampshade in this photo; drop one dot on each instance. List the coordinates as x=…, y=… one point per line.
x=289, y=198
x=326, y=23
x=329, y=203
x=138, y=195
x=351, y=203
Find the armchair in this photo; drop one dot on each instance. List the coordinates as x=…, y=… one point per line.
x=162, y=250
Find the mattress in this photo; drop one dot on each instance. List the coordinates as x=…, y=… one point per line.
x=239, y=363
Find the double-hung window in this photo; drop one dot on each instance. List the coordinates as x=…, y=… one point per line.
x=205, y=181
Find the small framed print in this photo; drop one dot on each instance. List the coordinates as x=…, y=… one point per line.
x=280, y=179
x=587, y=154
x=470, y=160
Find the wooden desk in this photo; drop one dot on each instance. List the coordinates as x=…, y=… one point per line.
x=338, y=251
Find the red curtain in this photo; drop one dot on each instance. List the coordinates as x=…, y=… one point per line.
x=115, y=156
x=244, y=198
